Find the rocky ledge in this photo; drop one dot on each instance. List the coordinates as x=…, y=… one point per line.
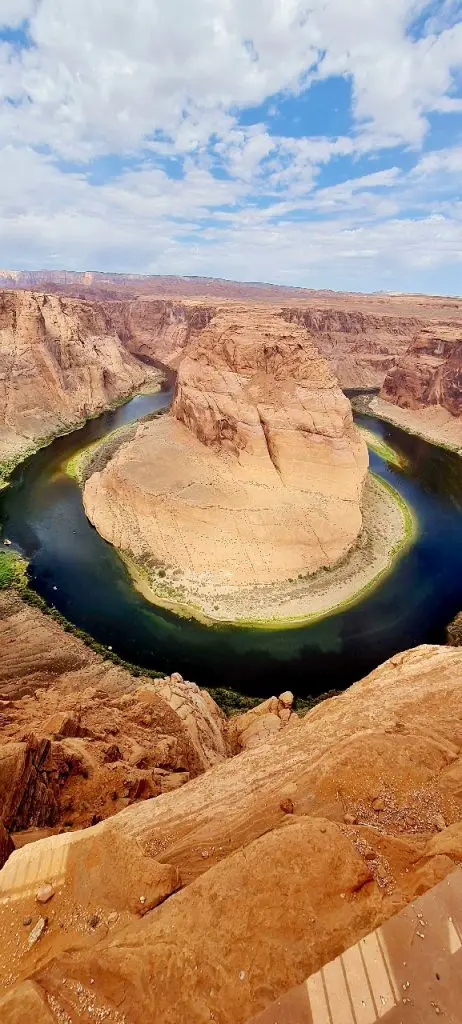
x=208, y=902
x=81, y=738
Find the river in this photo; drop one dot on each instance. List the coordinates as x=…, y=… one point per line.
x=82, y=576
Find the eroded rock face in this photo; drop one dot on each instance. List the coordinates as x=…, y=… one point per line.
x=285, y=856
x=454, y=631
x=256, y=475
x=430, y=374
x=6, y=845
x=115, y=739
x=361, y=346
x=61, y=360
x=162, y=329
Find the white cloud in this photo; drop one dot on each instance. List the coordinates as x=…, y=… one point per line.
x=448, y=161
x=103, y=74
x=13, y=12
x=151, y=80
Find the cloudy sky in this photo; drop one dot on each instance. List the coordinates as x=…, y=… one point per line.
x=312, y=143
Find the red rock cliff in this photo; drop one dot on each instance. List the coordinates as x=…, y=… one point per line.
x=430, y=373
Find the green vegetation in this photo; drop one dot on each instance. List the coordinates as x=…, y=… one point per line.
x=13, y=571
x=233, y=703
x=379, y=446
x=94, y=457
x=83, y=462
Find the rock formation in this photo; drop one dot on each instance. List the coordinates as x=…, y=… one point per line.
x=360, y=346
x=423, y=391
x=61, y=361
x=430, y=374
x=258, y=872
x=71, y=350
x=80, y=738
x=454, y=631
x=257, y=474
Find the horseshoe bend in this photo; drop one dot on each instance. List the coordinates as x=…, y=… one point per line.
x=255, y=480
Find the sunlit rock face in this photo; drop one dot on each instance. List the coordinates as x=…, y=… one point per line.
x=430, y=374
x=256, y=474
x=61, y=360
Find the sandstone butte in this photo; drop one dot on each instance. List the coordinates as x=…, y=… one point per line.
x=208, y=901
x=255, y=476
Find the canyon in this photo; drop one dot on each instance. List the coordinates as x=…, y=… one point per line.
x=82, y=342
x=160, y=860
x=423, y=391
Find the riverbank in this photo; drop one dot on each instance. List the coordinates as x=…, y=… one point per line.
x=10, y=461
x=389, y=528
x=434, y=424
x=94, y=457
x=386, y=452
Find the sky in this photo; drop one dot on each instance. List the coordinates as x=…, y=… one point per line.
x=316, y=144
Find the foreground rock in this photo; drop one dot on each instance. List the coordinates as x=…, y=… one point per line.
x=61, y=360
x=454, y=631
x=374, y=778
x=115, y=739
x=255, y=477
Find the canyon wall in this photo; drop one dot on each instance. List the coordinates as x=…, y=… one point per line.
x=61, y=360
x=361, y=347
x=255, y=476
x=429, y=374
x=423, y=391
x=89, y=284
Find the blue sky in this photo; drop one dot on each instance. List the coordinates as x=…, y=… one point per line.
x=315, y=144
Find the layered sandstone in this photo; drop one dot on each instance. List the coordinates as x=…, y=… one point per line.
x=423, y=391
x=61, y=360
x=360, y=346
x=283, y=857
x=430, y=374
x=113, y=286
x=363, y=336
x=256, y=475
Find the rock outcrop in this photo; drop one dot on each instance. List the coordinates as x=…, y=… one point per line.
x=284, y=856
x=115, y=738
x=423, y=392
x=361, y=347
x=61, y=361
x=430, y=374
x=255, y=477
x=454, y=631
x=6, y=845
